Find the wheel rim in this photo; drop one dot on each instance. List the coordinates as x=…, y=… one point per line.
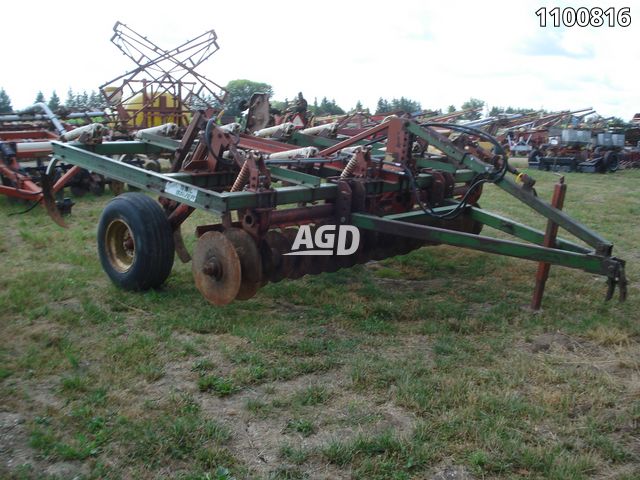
x=120, y=245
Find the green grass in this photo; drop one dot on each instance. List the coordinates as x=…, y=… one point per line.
x=301, y=425
x=219, y=385
x=382, y=371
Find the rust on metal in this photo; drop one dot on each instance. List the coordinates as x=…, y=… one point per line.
x=557, y=201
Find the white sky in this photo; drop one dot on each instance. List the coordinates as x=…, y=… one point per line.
x=438, y=53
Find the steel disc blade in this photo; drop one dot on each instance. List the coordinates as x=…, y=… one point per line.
x=317, y=263
x=403, y=245
x=332, y=264
x=368, y=239
x=216, y=268
x=384, y=247
x=276, y=265
x=298, y=268
x=250, y=262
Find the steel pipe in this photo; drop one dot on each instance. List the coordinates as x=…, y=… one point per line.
x=306, y=152
x=165, y=130
x=328, y=129
x=278, y=130
x=86, y=134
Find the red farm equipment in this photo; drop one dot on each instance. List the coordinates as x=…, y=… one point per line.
x=163, y=88
x=395, y=187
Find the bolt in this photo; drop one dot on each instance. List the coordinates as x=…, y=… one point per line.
x=212, y=268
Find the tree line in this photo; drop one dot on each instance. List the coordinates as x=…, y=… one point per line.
x=240, y=91
x=74, y=101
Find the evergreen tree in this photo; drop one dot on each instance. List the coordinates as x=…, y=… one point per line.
x=95, y=101
x=324, y=107
x=5, y=102
x=70, y=102
x=406, y=105
x=495, y=111
x=82, y=100
x=54, y=101
x=329, y=107
x=336, y=109
x=382, y=106
x=40, y=98
x=451, y=109
x=359, y=107
x=472, y=103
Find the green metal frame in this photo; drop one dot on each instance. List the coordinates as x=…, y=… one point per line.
x=209, y=191
x=527, y=197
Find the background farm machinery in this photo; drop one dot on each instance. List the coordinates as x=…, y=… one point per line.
x=578, y=150
x=164, y=87
x=403, y=185
x=25, y=146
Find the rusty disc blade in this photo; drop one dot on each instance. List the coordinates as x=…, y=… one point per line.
x=276, y=265
x=403, y=245
x=346, y=261
x=216, y=268
x=384, y=247
x=331, y=264
x=250, y=262
x=297, y=261
x=317, y=263
x=368, y=241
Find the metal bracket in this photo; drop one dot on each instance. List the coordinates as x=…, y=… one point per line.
x=343, y=202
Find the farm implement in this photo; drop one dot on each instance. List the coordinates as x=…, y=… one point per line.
x=278, y=208
x=25, y=146
x=158, y=96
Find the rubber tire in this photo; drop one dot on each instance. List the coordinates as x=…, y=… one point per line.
x=534, y=156
x=611, y=162
x=153, y=241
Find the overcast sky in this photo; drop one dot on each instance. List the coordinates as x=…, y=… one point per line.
x=438, y=53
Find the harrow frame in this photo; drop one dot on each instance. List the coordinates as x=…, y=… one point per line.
x=322, y=192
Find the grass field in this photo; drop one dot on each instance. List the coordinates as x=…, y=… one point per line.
x=422, y=366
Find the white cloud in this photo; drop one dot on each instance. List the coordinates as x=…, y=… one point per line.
x=439, y=53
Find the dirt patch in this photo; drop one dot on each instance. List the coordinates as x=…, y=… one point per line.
x=70, y=470
x=452, y=472
x=550, y=341
x=14, y=447
x=44, y=394
x=178, y=376
x=257, y=440
x=15, y=451
x=406, y=346
x=410, y=285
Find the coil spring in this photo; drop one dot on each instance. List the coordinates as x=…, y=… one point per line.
x=241, y=179
x=351, y=165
